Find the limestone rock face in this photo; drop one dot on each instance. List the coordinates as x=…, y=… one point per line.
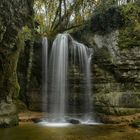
x=115, y=76
x=14, y=14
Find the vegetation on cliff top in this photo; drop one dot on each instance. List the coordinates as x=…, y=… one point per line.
x=130, y=34
x=125, y=18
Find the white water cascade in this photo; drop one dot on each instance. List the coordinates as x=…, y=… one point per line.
x=58, y=73
x=44, y=72
x=66, y=52
x=84, y=58
x=89, y=107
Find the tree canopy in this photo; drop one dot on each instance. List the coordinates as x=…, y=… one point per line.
x=55, y=16
x=62, y=15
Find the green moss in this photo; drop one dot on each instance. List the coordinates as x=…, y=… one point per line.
x=13, y=16
x=135, y=124
x=14, y=120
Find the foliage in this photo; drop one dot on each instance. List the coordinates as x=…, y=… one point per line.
x=56, y=16
x=130, y=35
x=131, y=13
x=107, y=20
x=104, y=5
x=23, y=36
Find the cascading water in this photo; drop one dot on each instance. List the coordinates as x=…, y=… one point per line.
x=84, y=55
x=65, y=53
x=44, y=72
x=89, y=107
x=58, y=74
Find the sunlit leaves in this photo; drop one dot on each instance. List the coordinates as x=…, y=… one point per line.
x=60, y=15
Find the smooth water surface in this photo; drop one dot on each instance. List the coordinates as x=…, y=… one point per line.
x=72, y=132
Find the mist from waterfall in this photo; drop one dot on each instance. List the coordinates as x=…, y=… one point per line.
x=66, y=54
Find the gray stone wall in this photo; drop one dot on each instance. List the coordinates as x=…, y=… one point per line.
x=116, y=76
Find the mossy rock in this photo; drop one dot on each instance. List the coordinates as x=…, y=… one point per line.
x=8, y=121
x=135, y=124
x=13, y=16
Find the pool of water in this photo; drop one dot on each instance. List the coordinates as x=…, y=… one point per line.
x=30, y=131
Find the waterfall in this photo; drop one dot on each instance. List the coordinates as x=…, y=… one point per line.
x=58, y=73
x=66, y=54
x=84, y=58
x=44, y=72
x=89, y=107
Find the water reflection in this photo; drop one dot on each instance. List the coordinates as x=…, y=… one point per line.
x=72, y=132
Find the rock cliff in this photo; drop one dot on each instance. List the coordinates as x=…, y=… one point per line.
x=14, y=14
x=115, y=76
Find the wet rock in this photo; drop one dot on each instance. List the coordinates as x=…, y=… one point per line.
x=36, y=120
x=73, y=121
